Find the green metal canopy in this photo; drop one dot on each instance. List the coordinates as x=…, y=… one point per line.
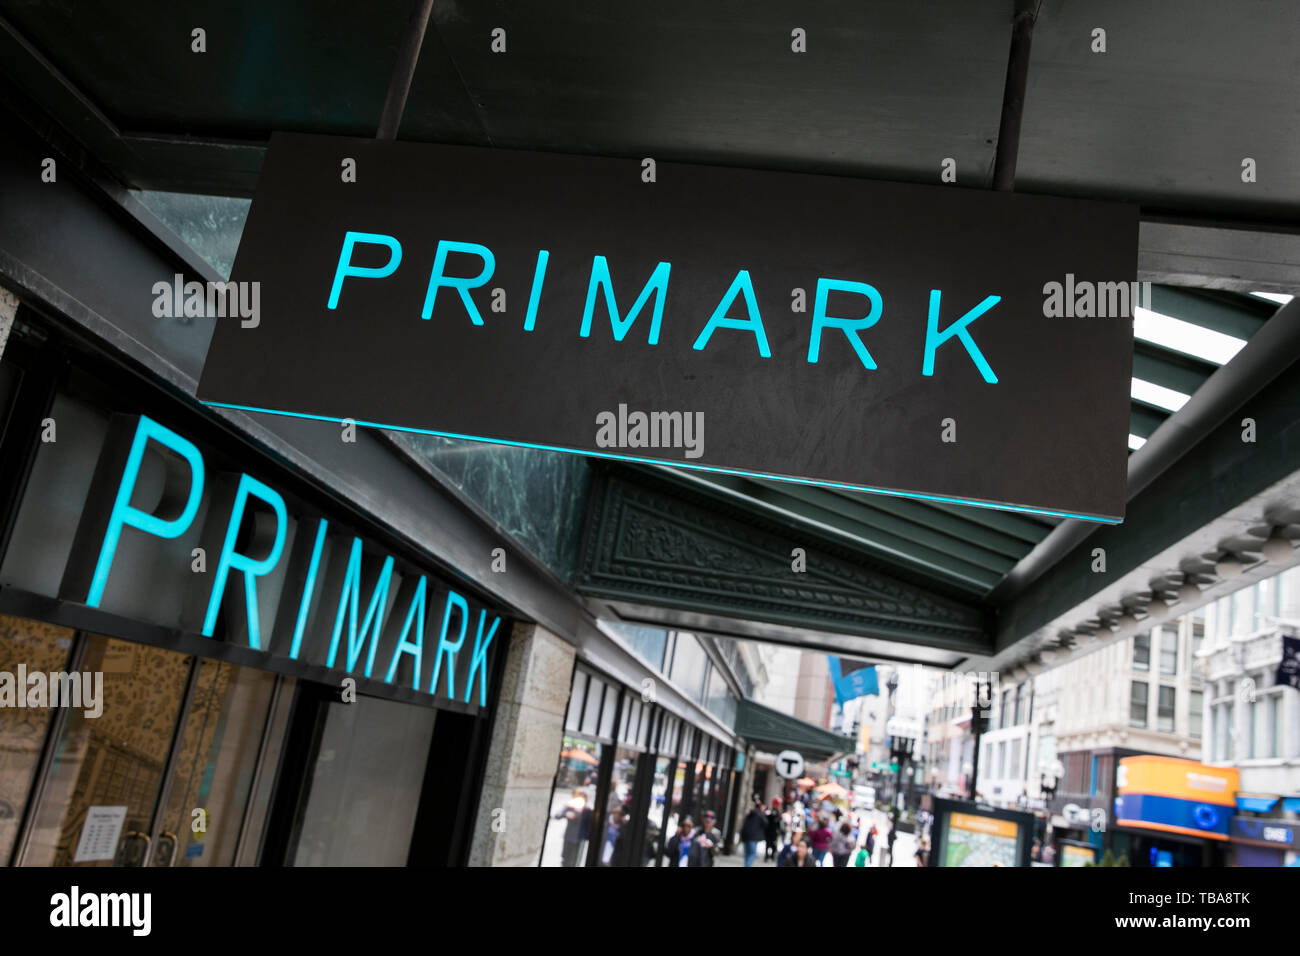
x=773, y=731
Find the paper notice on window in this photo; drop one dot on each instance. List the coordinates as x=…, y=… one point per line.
x=99, y=834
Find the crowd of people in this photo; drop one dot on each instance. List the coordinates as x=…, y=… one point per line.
x=799, y=832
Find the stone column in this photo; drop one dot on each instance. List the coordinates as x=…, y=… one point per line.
x=525, y=749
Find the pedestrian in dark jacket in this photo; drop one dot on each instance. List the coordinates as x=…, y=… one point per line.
x=688, y=846
x=773, y=834
x=801, y=856
x=752, y=830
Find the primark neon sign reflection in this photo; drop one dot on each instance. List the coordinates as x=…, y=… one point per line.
x=601, y=282
x=365, y=632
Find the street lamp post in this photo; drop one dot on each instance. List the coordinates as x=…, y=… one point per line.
x=978, y=724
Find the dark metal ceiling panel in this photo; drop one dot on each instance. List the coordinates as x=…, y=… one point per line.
x=320, y=67
x=886, y=89
x=1184, y=92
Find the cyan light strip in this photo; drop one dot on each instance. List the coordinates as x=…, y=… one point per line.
x=677, y=464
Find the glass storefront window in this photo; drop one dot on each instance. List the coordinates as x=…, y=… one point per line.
x=42, y=648
x=366, y=784
x=616, y=847
x=648, y=643
x=658, y=809
x=573, y=801
x=690, y=666
x=107, y=770
x=214, y=766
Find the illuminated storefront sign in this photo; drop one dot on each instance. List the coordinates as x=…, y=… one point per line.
x=830, y=330
x=1172, y=795
x=352, y=610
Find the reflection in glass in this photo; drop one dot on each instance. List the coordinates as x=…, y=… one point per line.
x=113, y=761
x=573, y=802
x=658, y=807
x=42, y=648
x=366, y=784
x=616, y=844
x=214, y=767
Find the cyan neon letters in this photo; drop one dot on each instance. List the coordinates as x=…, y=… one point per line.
x=349, y=600
x=252, y=569
x=308, y=587
x=414, y=648
x=346, y=268
x=719, y=320
x=478, y=660
x=437, y=279
x=535, y=296
x=600, y=278
x=448, y=648
x=934, y=338
x=851, y=327
x=125, y=516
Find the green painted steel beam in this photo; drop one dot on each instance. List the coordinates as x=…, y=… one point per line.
x=1027, y=529
x=954, y=526
x=1169, y=369
x=875, y=542
x=1231, y=314
x=866, y=522
x=1144, y=420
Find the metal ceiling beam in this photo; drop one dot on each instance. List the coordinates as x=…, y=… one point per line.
x=1029, y=529
x=1238, y=259
x=1143, y=421
x=1202, y=439
x=408, y=57
x=1226, y=312
x=944, y=522
x=878, y=544
x=1169, y=369
x=898, y=522
x=1013, y=95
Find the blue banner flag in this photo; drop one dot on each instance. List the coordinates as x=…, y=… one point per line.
x=852, y=679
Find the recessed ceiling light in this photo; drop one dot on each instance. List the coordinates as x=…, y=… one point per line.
x=1281, y=298
x=1158, y=395
x=1171, y=333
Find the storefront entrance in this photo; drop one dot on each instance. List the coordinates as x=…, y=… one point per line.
x=158, y=765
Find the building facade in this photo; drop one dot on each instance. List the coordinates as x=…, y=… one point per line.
x=1253, y=720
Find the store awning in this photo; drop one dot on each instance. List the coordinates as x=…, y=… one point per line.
x=1255, y=803
x=771, y=730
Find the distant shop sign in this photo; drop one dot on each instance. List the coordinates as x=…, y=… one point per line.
x=821, y=329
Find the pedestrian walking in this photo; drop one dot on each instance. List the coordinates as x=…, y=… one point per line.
x=752, y=830
x=773, y=832
x=688, y=846
x=820, y=841
x=842, y=845
x=800, y=855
